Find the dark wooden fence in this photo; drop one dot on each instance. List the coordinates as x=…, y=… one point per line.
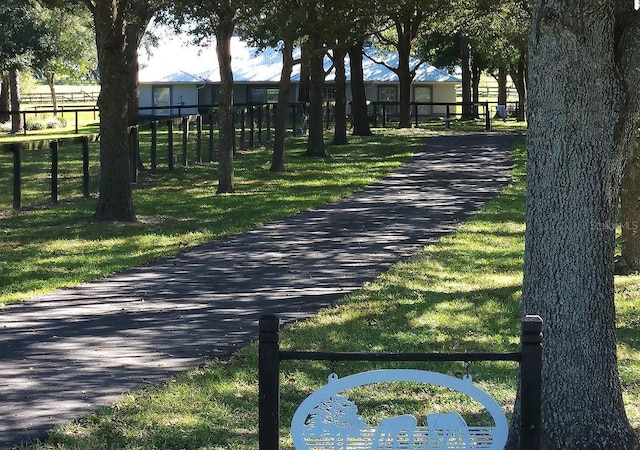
x=253, y=124
x=17, y=149
x=529, y=357
x=62, y=111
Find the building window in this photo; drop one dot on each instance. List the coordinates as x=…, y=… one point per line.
x=263, y=95
x=161, y=98
x=329, y=94
x=389, y=94
x=423, y=94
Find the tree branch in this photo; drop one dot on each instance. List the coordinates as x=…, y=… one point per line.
x=391, y=68
x=90, y=4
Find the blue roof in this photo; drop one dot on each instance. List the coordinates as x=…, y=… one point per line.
x=174, y=62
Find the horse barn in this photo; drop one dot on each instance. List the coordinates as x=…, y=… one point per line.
x=181, y=74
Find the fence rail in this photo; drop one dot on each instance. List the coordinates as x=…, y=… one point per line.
x=61, y=97
x=197, y=133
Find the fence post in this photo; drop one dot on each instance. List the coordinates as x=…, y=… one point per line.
x=293, y=107
x=53, y=145
x=170, y=143
x=133, y=152
x=199, y=139
x=384, y=115
x=260, y=124
x=77, y=125
x=269, y=383
x=17, y=182
x=243, y=130
x=154, y=146
x=415, y=109
x=211, y=137
x=185, y=139
x=531, y=383
x=252, y=130
x=487, y=117
x=85, y=167
x=268, y=122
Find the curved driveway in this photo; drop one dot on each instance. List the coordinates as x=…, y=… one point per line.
x=67, y=353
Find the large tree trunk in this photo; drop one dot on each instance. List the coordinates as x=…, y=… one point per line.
x=340, y=131
x=359, y=110
x=315, y=143
x=580, y=122
x=115, y=202
x=226, y=126
x=630, y=208
x=284, y=89
x=5, y=99
x=405, y=76
x=14, y=87
x=465, y=57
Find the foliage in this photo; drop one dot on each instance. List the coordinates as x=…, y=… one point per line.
x=25, y=38
x=73, y=40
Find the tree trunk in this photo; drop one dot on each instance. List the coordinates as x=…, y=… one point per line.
x=340, y=131
x=475, y=87
x=315, y=143
x=52, y=89
x=115, y=202
x=359, y=110
x=5, y=99
x=405, y=76
x=133, y=36
x=630, y=208
x=277, y=161
x=226, y=125
x=14, y=86
x=502, y=84
x=518, y=74
x=141, y=15
x=581, y=120
x=465, y=56
x=305, y=74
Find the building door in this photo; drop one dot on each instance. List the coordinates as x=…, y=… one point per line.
x=423, y=94
x=389, y=94
x=161, y=99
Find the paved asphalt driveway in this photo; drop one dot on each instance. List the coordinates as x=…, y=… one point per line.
x=67, y=353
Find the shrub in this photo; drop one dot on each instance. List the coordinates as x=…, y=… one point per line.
x=55, y=122
x=34, y=124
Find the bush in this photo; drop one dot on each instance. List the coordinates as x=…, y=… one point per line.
x=46, y=123
x=55, y=122
x=34, y=124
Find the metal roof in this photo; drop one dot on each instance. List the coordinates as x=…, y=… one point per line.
x=176, y=61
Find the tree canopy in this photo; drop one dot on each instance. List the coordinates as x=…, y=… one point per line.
x=25, y=40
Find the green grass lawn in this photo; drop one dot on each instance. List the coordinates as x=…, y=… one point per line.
x=460, y=294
